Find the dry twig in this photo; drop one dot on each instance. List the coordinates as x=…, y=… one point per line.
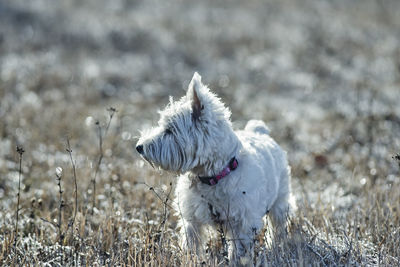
x=20, y=151
x=111, y=111
x=69, y=150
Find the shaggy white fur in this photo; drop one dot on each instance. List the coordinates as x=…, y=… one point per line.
x=194, y=137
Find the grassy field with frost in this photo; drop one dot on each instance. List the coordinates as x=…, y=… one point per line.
x=80, y=79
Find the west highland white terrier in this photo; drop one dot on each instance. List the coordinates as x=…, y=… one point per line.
x=229, y=179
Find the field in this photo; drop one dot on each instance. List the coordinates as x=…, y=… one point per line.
x=80, y=79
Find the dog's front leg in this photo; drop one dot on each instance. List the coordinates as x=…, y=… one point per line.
x=241, y=247
x=190, y=236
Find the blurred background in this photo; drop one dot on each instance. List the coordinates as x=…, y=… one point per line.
x=323, y=74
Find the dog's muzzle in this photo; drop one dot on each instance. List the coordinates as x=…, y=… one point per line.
x=139, y=149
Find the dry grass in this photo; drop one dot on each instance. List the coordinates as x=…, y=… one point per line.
x=133, y=223
x=324, y=75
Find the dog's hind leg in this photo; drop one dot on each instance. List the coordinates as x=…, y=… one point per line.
x=282, y=208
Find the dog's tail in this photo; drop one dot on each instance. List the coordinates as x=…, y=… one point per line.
x=257, y=126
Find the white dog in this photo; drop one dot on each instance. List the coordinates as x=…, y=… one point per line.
x=228, y=178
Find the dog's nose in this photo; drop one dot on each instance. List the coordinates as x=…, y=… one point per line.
x=139, y=149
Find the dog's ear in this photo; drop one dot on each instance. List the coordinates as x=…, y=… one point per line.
x=193, y=95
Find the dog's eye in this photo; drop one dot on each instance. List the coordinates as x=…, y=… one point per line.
x=168, y=131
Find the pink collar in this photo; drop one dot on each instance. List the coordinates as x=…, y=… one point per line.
x=213, y=180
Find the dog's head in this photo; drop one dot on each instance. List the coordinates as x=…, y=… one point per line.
x=193, y=132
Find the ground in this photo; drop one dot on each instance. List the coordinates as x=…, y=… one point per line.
x=324, y=76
